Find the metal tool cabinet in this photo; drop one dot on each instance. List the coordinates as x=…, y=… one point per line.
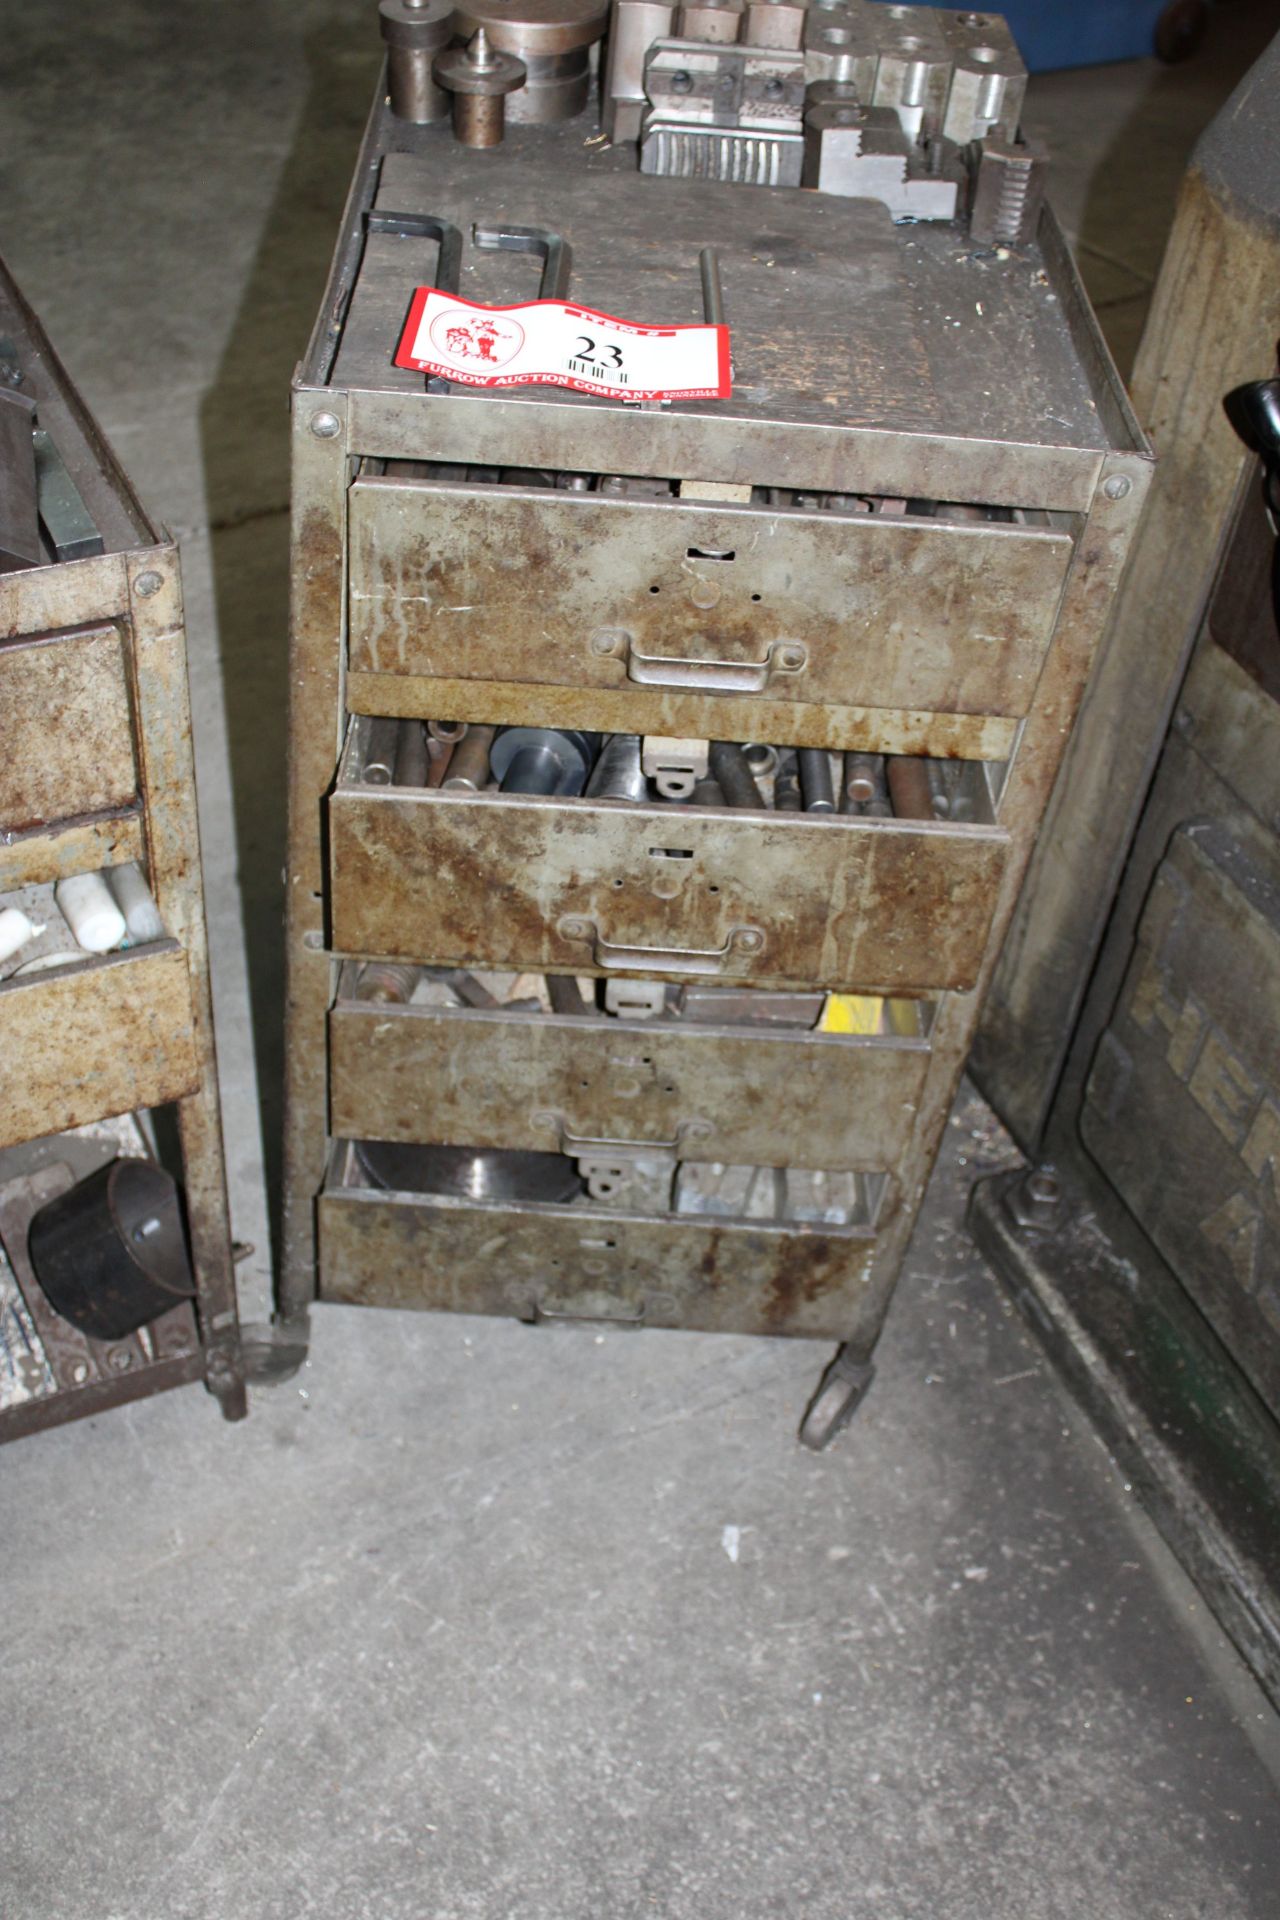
x=966, y=390
x=96, y=769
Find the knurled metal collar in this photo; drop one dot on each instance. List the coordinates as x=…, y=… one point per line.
x=535, y=27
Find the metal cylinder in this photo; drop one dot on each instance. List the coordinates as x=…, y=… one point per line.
x=565, y=994
x=816, y=788
x=543, y=760
x=729, y=766
x=450, y=731
x=111, y=1254
x=441, y=759
x=386, y=983
x=412, y=760
x=617, y=774
x=479, y=119
x=469, y=764
x=864, y=790
x=908, y=778
x=553, y=38
x=414, y=32
x=479, y=76
x=707, y=793
x=761, y=759
x=378, y=766
x=786, y=783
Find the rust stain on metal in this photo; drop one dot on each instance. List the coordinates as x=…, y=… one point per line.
x=889, y=613
x=567, y=885
x=68, y=741
x=107, y=1036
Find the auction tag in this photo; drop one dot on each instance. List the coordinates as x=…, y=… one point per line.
x=553, y=344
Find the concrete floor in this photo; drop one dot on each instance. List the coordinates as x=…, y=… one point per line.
x=471, y=1620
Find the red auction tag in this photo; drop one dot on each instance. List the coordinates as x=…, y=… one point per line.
x=551, y=343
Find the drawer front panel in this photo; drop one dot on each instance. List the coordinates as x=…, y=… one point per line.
x=576, y=886
x=541, y=1081
x=66, y=742
x=105, y=1037
x=546, y=588
x=539, y=1262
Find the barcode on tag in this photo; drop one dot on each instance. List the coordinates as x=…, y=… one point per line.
x=551, y=343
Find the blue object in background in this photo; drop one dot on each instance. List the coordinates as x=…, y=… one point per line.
x=1079, y=33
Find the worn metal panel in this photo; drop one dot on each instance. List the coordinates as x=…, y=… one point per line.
x=794, y=266
x=444, y=1255
x=541, y=1081
x=694, y=716
x=74, y=846
x=316, y=720
x=1182, y=1108
x=1229, y=720
x=1213, y=324
x=574, y=886
x=101, y=1037
x=65, y=727
x=546, y=588
x=158, y=659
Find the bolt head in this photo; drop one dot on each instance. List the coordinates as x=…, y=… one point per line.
x=1035, y=1200
x=325, y=425
x=148, y=583
x=1117, y=487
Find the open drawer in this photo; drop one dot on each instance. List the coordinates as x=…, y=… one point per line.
x=93, y=1038
x=589, y=1084
x=536, y=1261
x=577, y=886
x=789, y=625
x=66, y=736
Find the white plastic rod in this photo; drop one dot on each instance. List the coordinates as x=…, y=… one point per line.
x=15, y=931
x=85, y=903
x=135, y=901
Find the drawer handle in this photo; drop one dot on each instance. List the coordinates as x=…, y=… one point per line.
x=707, y=676
x=633, y=1316
x=662, y=959
x=581, y=1144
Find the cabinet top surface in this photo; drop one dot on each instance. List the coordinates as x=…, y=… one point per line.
x=838, y=318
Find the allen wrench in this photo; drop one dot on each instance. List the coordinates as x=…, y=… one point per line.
x=551, y=248
x=448, y=239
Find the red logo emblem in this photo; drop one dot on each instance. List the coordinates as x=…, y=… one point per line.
x=476, y=339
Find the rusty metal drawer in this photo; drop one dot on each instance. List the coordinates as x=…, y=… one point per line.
x=102, y=1036
x=66, y=736
x=588, y=1083
x=536, y=1261
x=565, y=886
x=695, y=618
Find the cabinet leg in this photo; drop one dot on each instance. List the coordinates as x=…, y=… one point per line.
x=839, y=1394
x=224, y=1378
x=274, y=1353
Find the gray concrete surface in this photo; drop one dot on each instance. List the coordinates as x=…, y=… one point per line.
x=471, y=1620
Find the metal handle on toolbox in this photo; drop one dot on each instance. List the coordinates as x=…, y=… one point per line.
x=662, y=959
x=706, y=676
x=578, y=1144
